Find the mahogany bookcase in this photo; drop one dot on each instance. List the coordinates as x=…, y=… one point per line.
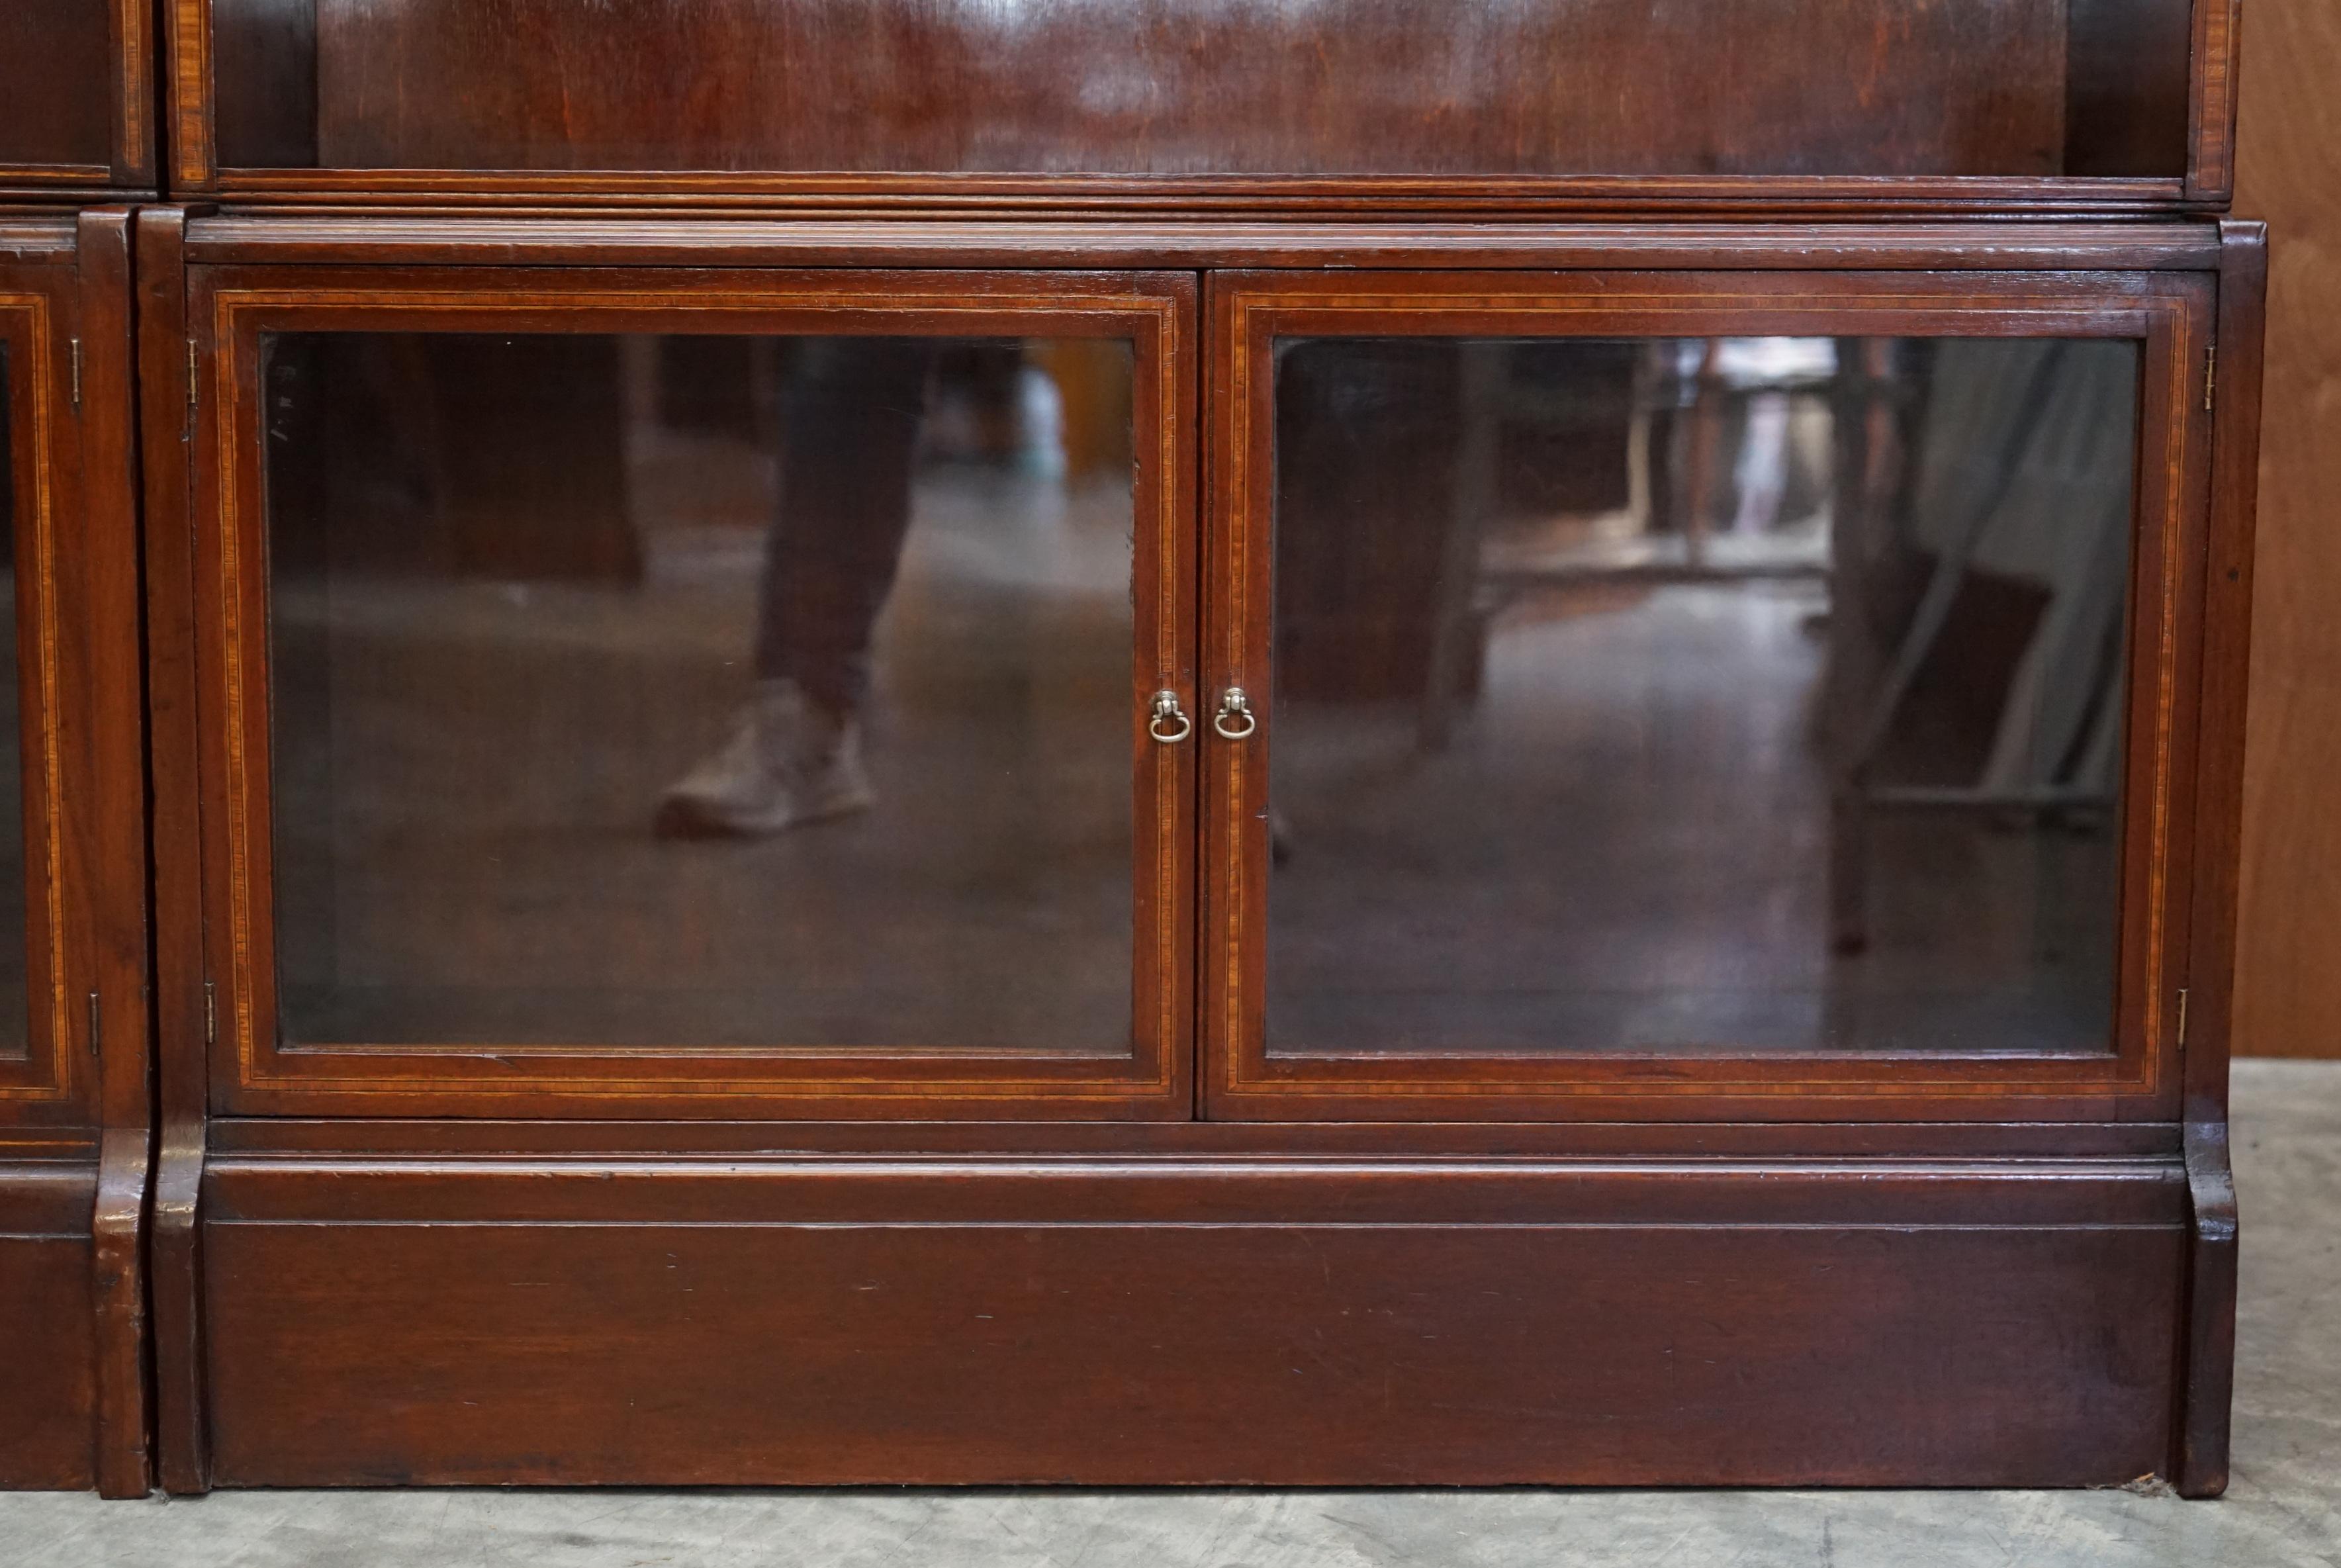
x=1526, y=719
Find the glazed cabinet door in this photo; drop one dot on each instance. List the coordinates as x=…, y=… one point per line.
x=696, y=692
x=39, y=468
x=72, y=859
x=1717, y=695
x=75, y=1114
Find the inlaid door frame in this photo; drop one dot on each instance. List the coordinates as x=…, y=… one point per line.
x=2170, y=315
x=233, y=308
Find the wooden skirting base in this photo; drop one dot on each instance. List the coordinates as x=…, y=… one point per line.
x=814, y=1319
x=48, y=1419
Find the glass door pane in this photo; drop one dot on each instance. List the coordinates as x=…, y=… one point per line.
x=1629, y=698
x=730, y=692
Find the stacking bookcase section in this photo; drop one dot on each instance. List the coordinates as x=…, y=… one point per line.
x=77, y=136
x=74, y=1098
x=941, y=849
x=1210, y=102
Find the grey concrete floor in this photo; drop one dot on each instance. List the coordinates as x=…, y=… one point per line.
x=2284, y=1507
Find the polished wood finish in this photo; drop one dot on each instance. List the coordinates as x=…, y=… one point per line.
x=2125, y=104
x=1576, y=86
x=48, y=1312
x=282, y=1242
x=265, y=85
x=1245, y=1322
x=2288, y=994
x=399, y=239
x=74, y=1109
x=2221, y=800
x=109, y=804
x=1756, y=197
x=392, y=1139
x=1199, y=1260
x=232, y=309
x=68, y=324
x=184, y=1003
x=76, y=98
x=2211, y=170
x=1596, y=101
x=53, y=70
x=47, y=1078
x=48, y=1153
x=2171, y=315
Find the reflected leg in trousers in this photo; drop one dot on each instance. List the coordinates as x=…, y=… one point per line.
x=850, y=414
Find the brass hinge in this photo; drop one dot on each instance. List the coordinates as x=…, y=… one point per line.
x=76, y=374
x=96, y=1033
x=210, y=1015
x=194, y=395
x=2182, y=1015
x=2210, y=375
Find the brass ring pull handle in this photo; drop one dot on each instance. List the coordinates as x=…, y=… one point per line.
x=1235, y=720
x=1165, y=712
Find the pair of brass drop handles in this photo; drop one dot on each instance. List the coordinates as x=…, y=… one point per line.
x=1234, y=721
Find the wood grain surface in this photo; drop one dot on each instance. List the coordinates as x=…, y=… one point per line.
x=1209, y=87
x=1346, y=1323
x=1940, y=104
x=2287, y=989
x=53, y=83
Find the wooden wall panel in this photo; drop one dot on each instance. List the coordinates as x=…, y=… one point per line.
x=2287, y=983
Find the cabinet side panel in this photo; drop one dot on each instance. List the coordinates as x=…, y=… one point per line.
x=2287, y=989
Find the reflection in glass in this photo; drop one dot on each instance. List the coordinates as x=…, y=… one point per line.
x=700, y=691
x=15, y=1018
x=1749, y=695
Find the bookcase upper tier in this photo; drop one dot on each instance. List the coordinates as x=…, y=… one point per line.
x=1198, y=91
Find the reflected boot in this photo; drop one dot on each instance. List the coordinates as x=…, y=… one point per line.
x=788, y=763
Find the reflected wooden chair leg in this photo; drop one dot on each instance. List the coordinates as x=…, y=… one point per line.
x=1849, y=869
x=639, y=427
x=1453, y=636
x=1700, y=465
x=1852, y=651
